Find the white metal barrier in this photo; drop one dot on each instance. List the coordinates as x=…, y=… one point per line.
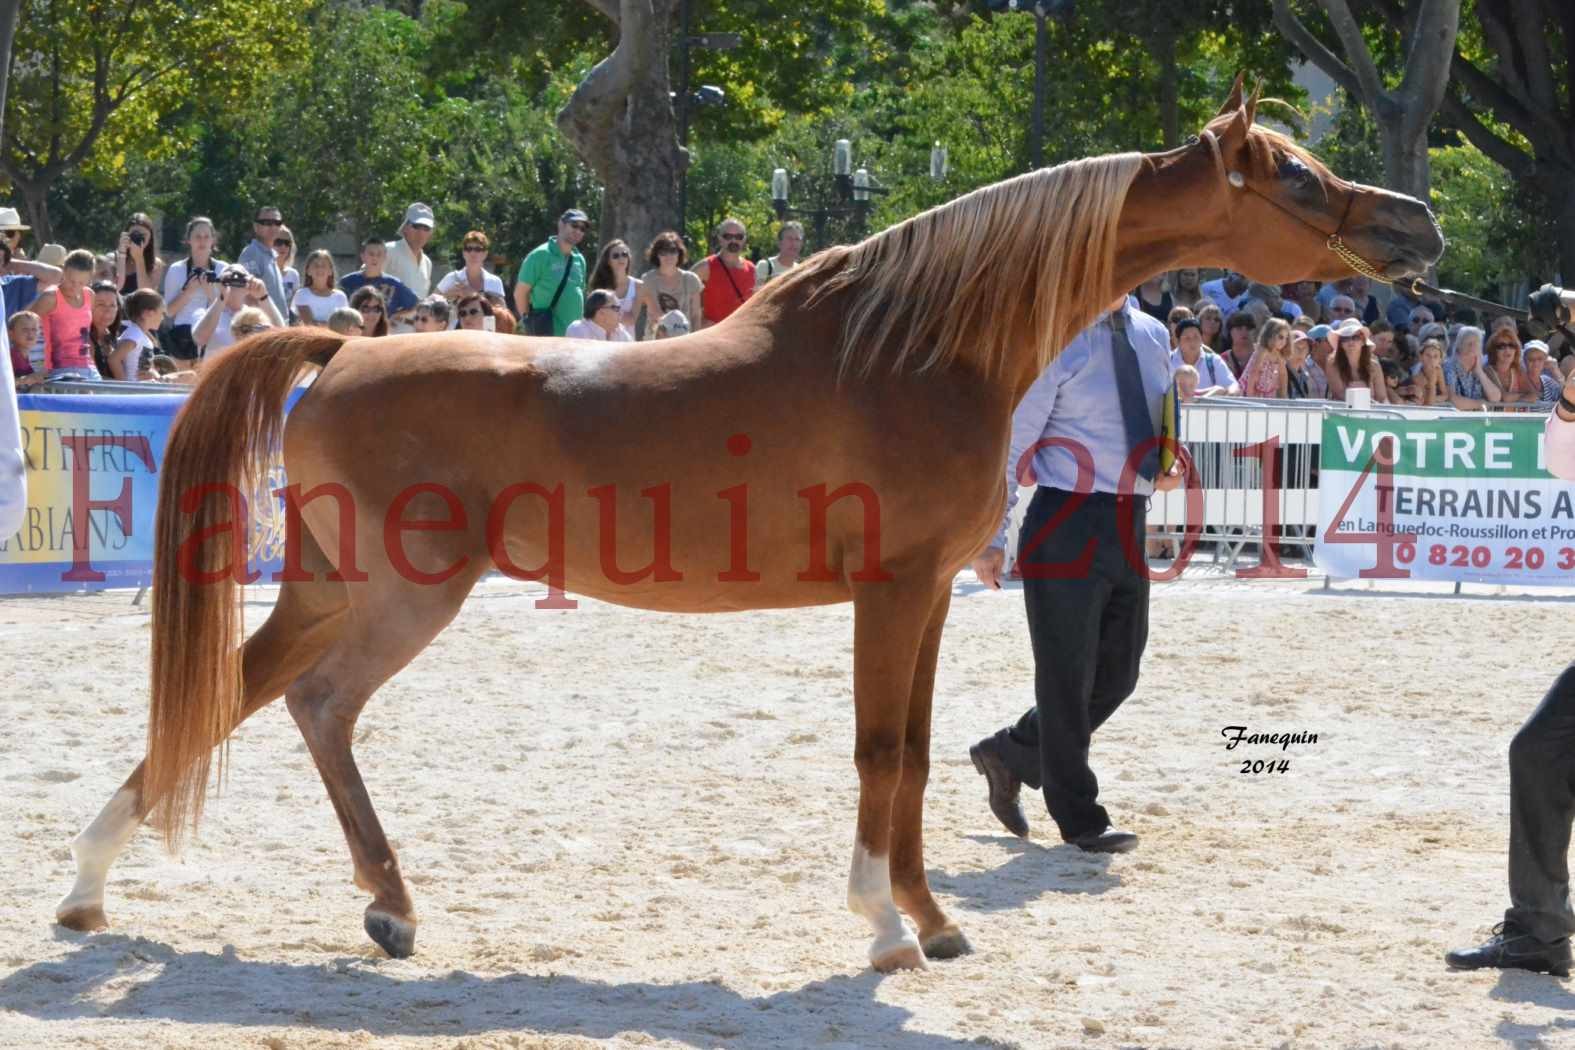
x=1229, y=440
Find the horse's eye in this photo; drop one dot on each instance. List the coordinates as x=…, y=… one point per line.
x=1291, y=168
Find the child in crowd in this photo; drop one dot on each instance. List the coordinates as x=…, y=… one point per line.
x=144, y=313
x=345, y=320
x=1427, y=385
x=374, y=255
x=1186, y=382
x=24, y=331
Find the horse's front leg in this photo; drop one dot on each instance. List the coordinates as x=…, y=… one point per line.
x=889, y=620
x=940, y=937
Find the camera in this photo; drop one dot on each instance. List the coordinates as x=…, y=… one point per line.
x=138, y=238
x=235, y=280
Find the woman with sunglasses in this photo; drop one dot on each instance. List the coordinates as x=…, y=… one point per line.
x=472, y=312
x=667, y=286
x=137, y=263
x=1503, y=364
x=473, y=278
x=369, y=303
x=1353, y=363
x=612, y=274
x=284, y=252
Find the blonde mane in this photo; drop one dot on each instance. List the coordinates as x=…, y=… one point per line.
x=977, y=279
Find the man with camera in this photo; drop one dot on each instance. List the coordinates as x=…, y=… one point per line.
x=240, y=290
x=260, y=261
x=1535, y=933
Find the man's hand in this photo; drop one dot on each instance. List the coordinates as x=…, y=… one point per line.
x=1171, y=481
x=989, y=566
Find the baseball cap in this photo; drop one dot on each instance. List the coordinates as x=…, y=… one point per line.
x=1318, y=331
x=674, y=322
x=418, y=214
x=574, y=215
x=1534, y=344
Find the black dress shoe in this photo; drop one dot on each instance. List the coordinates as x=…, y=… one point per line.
x=1513, y=948
x=1004, y=787
x=1107, y=840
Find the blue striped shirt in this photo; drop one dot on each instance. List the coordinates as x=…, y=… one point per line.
x=1076, y=398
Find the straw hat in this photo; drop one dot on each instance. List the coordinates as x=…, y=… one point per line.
x=11, y=219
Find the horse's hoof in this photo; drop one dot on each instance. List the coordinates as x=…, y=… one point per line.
x=904, y=955
x=82, y=918
x=948, y=944
x=394, y=935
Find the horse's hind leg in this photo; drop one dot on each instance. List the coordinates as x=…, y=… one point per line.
x=303, y=622
x=384, y=634
x=939, y=936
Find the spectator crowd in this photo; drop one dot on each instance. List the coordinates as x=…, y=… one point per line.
x=1310, y=340
x=135, y=315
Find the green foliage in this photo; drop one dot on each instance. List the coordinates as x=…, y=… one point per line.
x=1497, y=233
x=94, y=83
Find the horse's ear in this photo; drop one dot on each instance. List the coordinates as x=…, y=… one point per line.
x=1233, y=101
x=1252, y=103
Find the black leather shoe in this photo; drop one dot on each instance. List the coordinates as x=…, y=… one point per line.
x=1004, y=787
x=1108, y=840
x=1514, y=948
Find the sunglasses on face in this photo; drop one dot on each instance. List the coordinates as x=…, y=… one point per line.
x=733, y=238
x=371, y=308
x=618, y=255
x=269, y=222
x=581, y=226
x=474, y=248
x=473, y=312
x=283, y=244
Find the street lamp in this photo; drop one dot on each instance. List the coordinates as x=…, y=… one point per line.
x=1042, y=10
x=848, y=193
x=708, y=95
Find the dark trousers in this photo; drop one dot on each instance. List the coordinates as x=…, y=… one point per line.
x=1541, y=809
x=1088, y=624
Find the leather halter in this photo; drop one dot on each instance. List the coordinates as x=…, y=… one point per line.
x=1334, y=241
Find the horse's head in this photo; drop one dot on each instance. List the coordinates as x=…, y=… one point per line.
x=1275, y=213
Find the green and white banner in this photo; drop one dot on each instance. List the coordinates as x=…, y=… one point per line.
x=1466, y=499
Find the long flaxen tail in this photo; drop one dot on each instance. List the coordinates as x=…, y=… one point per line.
x=220, y=446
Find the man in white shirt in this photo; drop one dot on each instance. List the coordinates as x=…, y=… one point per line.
x=1229, y=292
x=407, y=258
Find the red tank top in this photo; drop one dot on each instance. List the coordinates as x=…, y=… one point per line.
x=67, y=330
x=726, y=289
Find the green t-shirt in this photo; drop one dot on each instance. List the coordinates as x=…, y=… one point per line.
x=542, y=270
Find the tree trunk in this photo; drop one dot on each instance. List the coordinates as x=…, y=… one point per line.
x=1558, y=188
x=8, y=17
x=1406, y=167
x=35, y=198
x=1164, y=50
x=620, y=122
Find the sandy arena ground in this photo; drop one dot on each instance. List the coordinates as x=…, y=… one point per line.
x=635, y=829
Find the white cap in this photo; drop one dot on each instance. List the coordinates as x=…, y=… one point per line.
x=674, y=322
x=419, y=214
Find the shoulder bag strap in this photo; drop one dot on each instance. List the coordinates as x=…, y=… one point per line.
x=727, y=270
x=568, y=268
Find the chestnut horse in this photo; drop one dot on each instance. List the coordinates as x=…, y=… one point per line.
x=842, y=437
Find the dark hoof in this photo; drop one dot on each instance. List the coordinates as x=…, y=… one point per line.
x=83, y=920
x=948, y=944
x=395, y=936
